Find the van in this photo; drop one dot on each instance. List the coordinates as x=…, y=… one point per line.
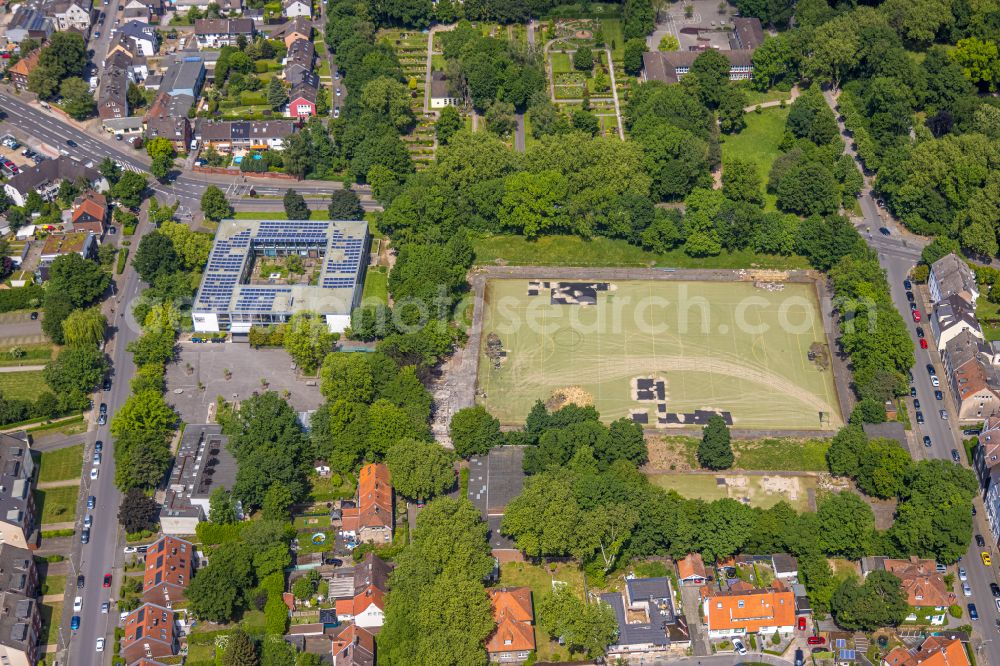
x=44, y=105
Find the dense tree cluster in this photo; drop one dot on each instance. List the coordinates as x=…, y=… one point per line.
x=870, y=51
x=485, y=70
x=437, y=610
x=371, y=404
x=555, y=438
x=933, y=518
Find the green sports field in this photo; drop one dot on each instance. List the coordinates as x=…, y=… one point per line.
x=722, y=346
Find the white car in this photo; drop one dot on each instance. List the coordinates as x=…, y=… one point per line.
x=966, y=590
x=129, y=549
x=100, y=645
x=962, y=575
x=105, y=606
x=935, y=382
x=93, y=473
x=739, y=647
x=77, y=604
x=97, y=458
x=88, y=521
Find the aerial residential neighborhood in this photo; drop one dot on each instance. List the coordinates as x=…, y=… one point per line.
x=494, y=332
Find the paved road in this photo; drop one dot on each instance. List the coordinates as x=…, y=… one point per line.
x=898, y=254
x=187, y=188
x=519, y=133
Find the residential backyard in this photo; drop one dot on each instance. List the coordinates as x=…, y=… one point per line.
x=56, y=505
x=542, y=580
x=27, y=385
x=61, y=464
x=756, y=490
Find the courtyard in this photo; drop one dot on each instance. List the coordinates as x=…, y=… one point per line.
x=664, y=353
x=234, y=371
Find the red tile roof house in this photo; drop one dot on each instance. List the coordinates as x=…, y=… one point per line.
x=169, y=567
x=934, y=651
x=371, y=520
x=90, y=212
x=150, y=631
x=514, y=637
x=302, y=101
x=366, y=607
x=691, y=570
x=354, y=646
x=924, y=586
x=745, y=609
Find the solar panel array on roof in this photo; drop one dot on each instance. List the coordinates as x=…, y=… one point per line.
x=258, y=299
x=342, y=261
x=298, y=231
x=225, y=263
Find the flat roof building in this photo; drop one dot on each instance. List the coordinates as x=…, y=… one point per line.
x=202, y=464
x=232, y=298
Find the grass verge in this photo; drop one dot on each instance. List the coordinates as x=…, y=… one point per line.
x=61, y=464
x=27, y=385
x=56, y=505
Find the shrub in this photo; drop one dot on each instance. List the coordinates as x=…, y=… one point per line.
x=955, y=611
x=273, y=584
x=275, y=616
x=21, y=298
x=211, y=534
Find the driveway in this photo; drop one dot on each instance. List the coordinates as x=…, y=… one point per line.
x=692, y=613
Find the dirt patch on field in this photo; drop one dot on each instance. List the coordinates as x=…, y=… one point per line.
x=673, y=453
x=784, y=485
x=570, y=395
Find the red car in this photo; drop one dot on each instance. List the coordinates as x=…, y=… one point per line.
x=916, y=315
x=923, y=343
x=107, y=580
x=816, y=640
x=802, y=624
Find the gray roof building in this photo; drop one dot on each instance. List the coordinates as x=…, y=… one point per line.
x=203, y=463
x=20, y=626
x=747, y=34
x=951, y=275
x=17, y=503
x=670, y=66
x=28, y=22
x=48, y=175
x=646, y=618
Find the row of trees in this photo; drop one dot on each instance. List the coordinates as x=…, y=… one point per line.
x=61, y=64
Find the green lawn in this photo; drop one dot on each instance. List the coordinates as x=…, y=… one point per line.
x=333, y=487
x=39, y=354
x=758, y=143
x=53, y=584
x=518, y=574
x=988, y=315
x=27, y=385
x=376, y=286
x=781, y=454
x=61, y=464
x=599, y=251
x=613, y=34
x=755, y=97
x=759, y=491
x=561, y=63
x=51, y=616
x=56, y=505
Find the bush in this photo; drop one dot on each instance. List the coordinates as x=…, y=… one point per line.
x=210, y=534
x=21, y=298
x=52, y=534
x=54, y=558
x=273, y=584
x=955, y=611
x=122, y=258
x=275, y=616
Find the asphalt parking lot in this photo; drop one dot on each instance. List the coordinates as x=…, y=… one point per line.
x=207, y=363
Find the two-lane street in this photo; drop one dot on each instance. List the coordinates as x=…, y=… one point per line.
x=898, y=253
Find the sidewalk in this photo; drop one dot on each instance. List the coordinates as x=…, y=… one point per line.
x=65, y=483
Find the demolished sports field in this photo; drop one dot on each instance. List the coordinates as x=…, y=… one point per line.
x=666, y=353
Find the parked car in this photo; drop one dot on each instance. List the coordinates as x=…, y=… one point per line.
x=913, y=391
x=927, y=440
x=91, y=502
x=916, y=315
x=986, y=558
x=105, y=607
x=97, y=458
x=800, y=658
x=93, y=473
x=972, y=432
x=980, y=541
x=930, y=369
x=104, y=408
x=102, y=419
x=100, y=645
x=884, y=231
x=739, y=647
x=966, y=589
x=98, y=446
x=940, y=568
x=920, y=417
x=955, y=457
x=916, y=404
x=973, y=613
x=107, y=384
x=79, y=581
x=88, y=521
x=107, y=580
x=77, y=604
x=129, y=550
x=815, y=640
x=938, y=395
x=923, y=343
x=995, y=589
x=85, y=537
x=962, y=575
x=74, y=623
x=34, y=316
x=935, y=382
x=943, y=413
x=907, y=285
x=913, y=306
x=909, y=296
